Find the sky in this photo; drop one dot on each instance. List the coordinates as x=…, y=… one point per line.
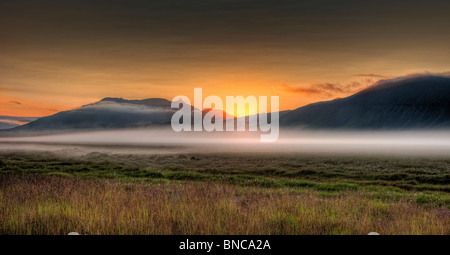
x=57, y=55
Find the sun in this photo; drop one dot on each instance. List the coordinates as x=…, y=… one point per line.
x=242, y=112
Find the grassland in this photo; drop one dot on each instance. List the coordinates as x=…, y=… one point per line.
x=42, y=193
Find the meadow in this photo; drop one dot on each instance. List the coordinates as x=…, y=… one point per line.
x=226, y=193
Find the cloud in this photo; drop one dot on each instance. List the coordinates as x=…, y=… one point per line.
x=4, y=89
x=16, y=120
x=371, y=75
x=324, y=89
x=445, y=74
x=337, y=89
x=126, y=107
x=13, y=122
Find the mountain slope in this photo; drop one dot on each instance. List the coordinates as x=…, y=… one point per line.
x=402, y=103
x=8, y=122
x=7, y=125
x=109, y=113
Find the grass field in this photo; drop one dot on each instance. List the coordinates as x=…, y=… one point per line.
x=42, y=193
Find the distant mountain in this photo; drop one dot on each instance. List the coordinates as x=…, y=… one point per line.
x=404, y=103
x=109, y=113
x=7, y=122
x=218, y=112
x=7, y=125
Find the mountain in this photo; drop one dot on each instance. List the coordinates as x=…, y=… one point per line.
x=109, y=113
x=404, y=103
x=7, y=122
x=218, y=112
x=7, y=125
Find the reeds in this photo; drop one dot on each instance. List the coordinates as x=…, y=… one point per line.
x=37, y=204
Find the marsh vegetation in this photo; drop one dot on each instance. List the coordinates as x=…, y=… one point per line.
x=227, y=193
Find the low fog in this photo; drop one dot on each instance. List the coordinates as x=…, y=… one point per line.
x=163, y=141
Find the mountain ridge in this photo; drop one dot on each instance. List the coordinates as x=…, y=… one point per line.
x=401, y=103
x=414, y=102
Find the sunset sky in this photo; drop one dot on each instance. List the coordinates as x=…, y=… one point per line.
x=57, y=55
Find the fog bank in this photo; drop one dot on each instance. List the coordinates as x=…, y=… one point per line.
x=154, y=141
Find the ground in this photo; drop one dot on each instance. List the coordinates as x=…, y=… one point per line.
x=223, y=193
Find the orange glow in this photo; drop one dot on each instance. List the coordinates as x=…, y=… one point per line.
x=24, y=108
x=244, y=112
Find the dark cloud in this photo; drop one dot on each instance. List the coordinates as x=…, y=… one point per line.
x=313, y=24
x=371, y=75
x=325, y=89
x=87, y=48
x=445, y=74
x=332, y=89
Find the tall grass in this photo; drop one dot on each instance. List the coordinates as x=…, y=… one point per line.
x=37, y=204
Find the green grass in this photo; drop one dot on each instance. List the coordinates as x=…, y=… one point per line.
x=265, y=194
x=329, y=174
x=39, y=204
